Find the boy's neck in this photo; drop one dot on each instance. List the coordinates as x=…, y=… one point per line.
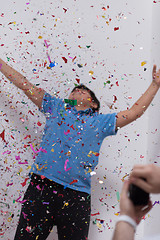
x=81, y=108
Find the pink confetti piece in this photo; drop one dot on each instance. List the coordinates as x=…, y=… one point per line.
x=47, y=45
x=49, y=58
x=38, y=187
x=41, y=149
x=8, y=152
x=21, y=201
x=24, y=215
x=65, y=166
x=67, y=132
x=9, y=184
x=23, y=162
x=17, y=157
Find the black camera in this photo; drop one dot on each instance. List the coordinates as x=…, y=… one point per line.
x=138, y=196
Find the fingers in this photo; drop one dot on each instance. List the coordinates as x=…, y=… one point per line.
x=138, y=172
x=154, y=71
x=125, y=188
x=141, y=184
x=147, y=209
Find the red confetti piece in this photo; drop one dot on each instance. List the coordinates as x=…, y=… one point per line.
x=65, y=10
x=24, y=183
x=117, y=84
x=72, y=127
x=28, y=136
x=94, y=214
x=39, y=124
x=74, y=59
x=42, y=177
x=74, y=181
x=78, y=80
x=116, y=28
x=2, y=136
x=64, y=59
x=114, y=98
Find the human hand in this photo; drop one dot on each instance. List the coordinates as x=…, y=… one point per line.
x=127, y=207
x=156, y=75
x=151, y=173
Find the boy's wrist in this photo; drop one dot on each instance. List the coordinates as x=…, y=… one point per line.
x=155, y=83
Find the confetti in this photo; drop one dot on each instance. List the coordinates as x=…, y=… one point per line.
x=65, y=166
x=2, y=136
x=143, y=63
x=116, y=28
x=65, y=59
x=74, y=181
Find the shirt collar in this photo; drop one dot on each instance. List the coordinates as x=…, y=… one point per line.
x=87, y=111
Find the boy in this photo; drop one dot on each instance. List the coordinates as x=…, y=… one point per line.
x=59, y=192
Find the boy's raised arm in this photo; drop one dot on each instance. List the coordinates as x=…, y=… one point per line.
x=34, y=93
x=136, y=111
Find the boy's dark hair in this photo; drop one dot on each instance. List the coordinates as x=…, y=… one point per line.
x=92, y=94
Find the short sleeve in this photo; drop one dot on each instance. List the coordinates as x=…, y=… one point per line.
x=50, y=103
x=107, y=124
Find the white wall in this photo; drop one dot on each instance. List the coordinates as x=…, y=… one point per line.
x=112, y=55
x=153, y=149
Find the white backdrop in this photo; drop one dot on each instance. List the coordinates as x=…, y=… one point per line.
x=108, y=45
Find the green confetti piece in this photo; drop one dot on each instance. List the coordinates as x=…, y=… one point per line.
x=118, y=196
x=95, y=221
x=71, y=102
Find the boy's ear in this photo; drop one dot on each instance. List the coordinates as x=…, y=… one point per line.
x=94, y=105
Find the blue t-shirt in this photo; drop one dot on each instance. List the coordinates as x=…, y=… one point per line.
x=71, y=143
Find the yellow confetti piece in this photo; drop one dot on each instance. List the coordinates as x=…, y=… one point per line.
x=9, y=219
x=143, y=63
x=89, y=171
x=29, y=167
x=65, y=204
x=21, y=169
x=124, y=177
x=39, y=169
x=89, y=99
x=91, y=72
x=117, y=214
x=99, y=225
x=52, y=150
x=92, y=152
x=40, y=37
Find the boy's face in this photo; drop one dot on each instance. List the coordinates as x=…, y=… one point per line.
x=83, y=98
